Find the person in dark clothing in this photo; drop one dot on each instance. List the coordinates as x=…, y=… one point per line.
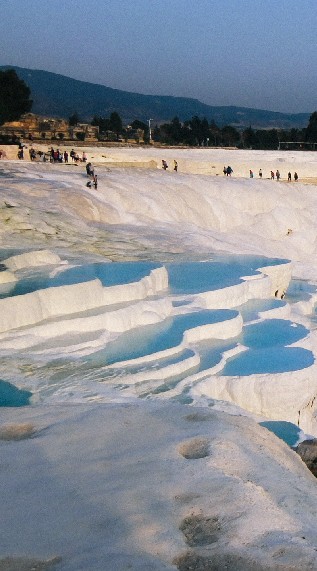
x=89, y=169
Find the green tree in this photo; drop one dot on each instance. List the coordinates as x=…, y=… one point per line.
x=156, y=134
x=115, y=123
x=230, y=136
x=172, y=133
x=311, y=131
x=176, y=130
x=73, y=119
x=14, y=96
x=102, y=122
x=268, y=139
x=197, y=130
x=250, y=140
x=214, y=134
x=136, y=124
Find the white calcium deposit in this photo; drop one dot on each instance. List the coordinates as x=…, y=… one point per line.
x=125, y=458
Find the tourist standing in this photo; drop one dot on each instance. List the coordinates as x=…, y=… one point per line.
x=278, y=175
x=295, y=176
x=289, y=177
x=260, y=173
x=90, y=170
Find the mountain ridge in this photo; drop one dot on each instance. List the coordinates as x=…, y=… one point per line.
x=57, y=95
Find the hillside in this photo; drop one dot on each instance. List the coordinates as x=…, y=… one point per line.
x=59, y=96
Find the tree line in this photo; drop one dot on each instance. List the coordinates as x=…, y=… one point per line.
x=198, y=132
x=15, y=101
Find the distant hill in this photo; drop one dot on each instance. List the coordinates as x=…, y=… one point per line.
x=59, y=96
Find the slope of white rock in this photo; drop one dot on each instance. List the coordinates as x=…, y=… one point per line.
x=116, y=481
x=151, y=486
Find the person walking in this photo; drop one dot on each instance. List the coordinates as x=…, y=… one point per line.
x=251, y=173
x=289, y=177
x=175, y=166
x=277, y=174
x=260, y=173
x=295, y=176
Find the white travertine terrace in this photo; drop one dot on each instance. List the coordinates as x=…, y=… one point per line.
x=30, y=259
x=284, y=396
x=106, y=476
x=274, y=280
x=34, y=307
x=7, y=277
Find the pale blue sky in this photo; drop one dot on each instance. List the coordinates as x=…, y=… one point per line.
x=251, y=53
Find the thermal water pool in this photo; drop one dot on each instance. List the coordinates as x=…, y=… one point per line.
x=59, y=360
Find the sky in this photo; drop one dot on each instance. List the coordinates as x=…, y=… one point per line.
x=249, y=53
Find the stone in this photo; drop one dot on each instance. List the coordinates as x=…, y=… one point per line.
x=308, y=453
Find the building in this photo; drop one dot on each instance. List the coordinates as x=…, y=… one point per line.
x=36, y=128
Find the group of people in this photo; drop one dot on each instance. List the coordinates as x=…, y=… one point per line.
x=57, y=156
x=76, y=158
x=165, y=165
x=53, y=155
x=277, y=175
x=227, y=171
x=289, y=176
